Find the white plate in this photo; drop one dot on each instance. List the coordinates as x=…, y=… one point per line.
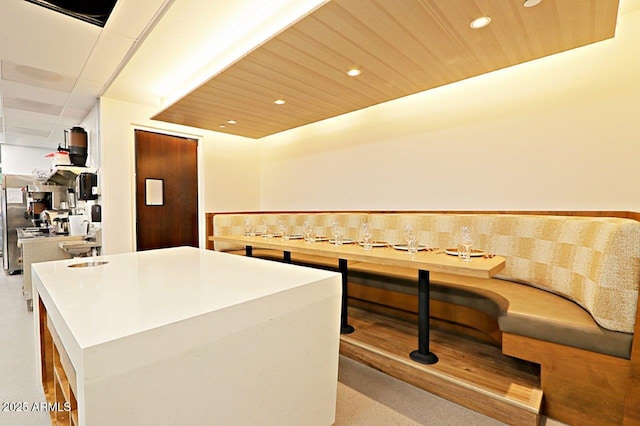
x=376, y=243
x=320, y=239
x=405, y=247
x=296, y=237
x=332, y=241
x=474, y=252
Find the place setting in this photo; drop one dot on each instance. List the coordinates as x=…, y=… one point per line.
x=412, y=246
x=464, y=251
x=338, y=235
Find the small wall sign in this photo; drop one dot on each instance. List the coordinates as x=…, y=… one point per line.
x=154, y=192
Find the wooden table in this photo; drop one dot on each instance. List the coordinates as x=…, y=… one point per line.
x=423, y=261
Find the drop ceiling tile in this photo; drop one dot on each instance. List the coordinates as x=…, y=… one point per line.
x=85, y=94
x=11, y=130
x=130, y=18
x=38, y=77
x=107, y=56
x=28, y=141
x=32, y=106
x=72, y=116
x=45, y=39
x=12, y=89
x=30, y=122
x=10, y=113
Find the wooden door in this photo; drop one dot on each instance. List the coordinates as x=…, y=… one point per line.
x=166, y=191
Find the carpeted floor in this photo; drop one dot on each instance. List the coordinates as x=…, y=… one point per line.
x=365, y=396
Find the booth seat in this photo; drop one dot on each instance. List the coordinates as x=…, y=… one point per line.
x=566, y=299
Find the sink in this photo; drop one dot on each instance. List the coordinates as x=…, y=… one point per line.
x=88, y=264
x=77, y=251
x=77, y=248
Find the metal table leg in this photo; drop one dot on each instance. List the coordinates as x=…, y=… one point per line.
x=423, y=355
x=345, y=328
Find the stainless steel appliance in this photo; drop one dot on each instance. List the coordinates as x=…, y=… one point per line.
x=14, y=208
x=24, y=199
x=45, y=196
x=58, y=219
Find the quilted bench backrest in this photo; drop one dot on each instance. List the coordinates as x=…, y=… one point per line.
x=234, y=224
x=594, y=261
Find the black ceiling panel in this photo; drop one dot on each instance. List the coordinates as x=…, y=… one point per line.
x=95, y=12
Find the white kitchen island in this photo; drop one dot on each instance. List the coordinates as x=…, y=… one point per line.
x=187, y=336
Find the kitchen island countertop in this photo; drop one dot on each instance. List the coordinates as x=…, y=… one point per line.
x=256, y=340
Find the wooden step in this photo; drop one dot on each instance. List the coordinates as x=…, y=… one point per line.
x=470, y=373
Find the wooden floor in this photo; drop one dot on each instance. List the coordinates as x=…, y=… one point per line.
x=469, y=372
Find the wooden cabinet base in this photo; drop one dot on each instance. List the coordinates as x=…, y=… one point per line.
x=58, y=376
x=580, y=387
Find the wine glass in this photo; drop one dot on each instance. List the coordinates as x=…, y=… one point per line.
x=410, y=237
x=364, y=228
x=336, y=231
x=409, y=234
x=248, y=227
x=307, y=229
x=282, y=230
x=365, y=236
x=267, y=233
x=466, y=241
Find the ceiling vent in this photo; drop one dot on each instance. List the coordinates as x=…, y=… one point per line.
x=95, y=12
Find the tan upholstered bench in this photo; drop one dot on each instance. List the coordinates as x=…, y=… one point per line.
x=566, y=300
x=592, y=261
x=518, y=308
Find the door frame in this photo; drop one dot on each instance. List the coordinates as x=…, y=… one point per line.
x=202, y=238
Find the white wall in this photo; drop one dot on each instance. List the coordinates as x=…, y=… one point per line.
x=559, y=133
x=228, y=171
x=22, y=160
x=553, y=134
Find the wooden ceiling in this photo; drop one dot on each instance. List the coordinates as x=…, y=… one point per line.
x=401, y=46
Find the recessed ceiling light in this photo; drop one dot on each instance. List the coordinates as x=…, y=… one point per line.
x=279, y=102
x=354, y=72
x=222, y=126
x=231, y=121
x=480, y=22
x=531, y=3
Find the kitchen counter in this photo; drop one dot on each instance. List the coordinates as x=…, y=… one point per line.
x=40, y=248
x=26, y=235
x=190, y=336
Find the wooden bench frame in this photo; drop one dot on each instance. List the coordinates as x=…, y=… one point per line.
x=580, y=387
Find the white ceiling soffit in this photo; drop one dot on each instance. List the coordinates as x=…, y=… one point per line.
x=54, y=66
x=196, y=39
